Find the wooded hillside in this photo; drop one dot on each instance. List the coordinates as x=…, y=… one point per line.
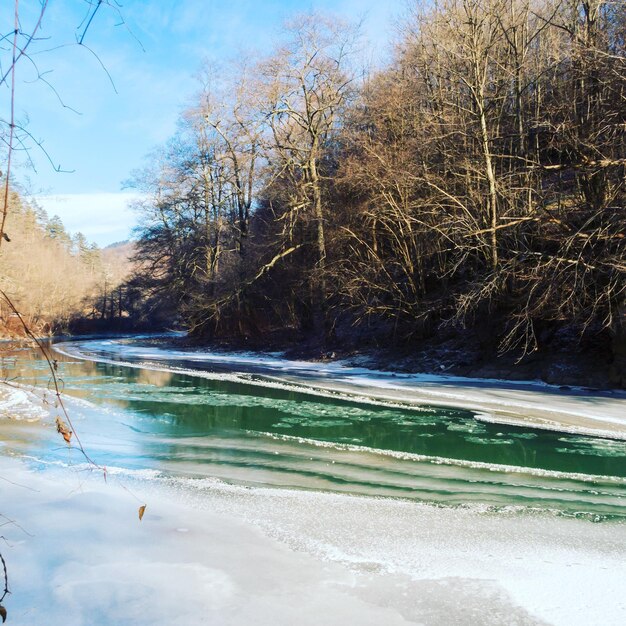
x=49, y=275
x=476, y=181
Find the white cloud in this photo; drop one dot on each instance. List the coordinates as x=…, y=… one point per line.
x=101, y=217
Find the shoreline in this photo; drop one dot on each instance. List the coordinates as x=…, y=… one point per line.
x=568, y=370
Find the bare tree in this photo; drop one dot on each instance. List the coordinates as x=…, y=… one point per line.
x=308, y=84
x=479, y=177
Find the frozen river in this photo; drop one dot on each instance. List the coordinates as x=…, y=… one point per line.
x=433, y=500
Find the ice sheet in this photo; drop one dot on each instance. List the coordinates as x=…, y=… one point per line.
x=222, y=554
x=217, y=553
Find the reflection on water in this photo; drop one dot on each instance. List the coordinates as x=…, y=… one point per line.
x=195, y=427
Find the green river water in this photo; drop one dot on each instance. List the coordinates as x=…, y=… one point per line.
x=164, y=424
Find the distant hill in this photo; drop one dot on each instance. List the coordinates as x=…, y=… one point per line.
x=118, y=244
x=117, y=257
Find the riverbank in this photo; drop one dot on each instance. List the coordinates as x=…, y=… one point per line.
x=563, y=358
x=564, y=364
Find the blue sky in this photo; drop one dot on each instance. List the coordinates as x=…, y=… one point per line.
x=152, y=60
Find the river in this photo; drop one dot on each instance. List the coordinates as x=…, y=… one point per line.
x=233, y=434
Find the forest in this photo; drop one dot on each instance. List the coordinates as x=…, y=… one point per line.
x=476, y=181
x=469, y=194
x=83, y=288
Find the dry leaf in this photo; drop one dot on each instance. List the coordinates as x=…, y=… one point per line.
x=3, y=614
x=63, y=429
x=142, y=510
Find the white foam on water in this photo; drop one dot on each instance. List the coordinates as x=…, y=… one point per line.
x=437, y=460
x=21, y=403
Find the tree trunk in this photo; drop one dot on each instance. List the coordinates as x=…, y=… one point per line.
x=491, y=178
x=319, y=292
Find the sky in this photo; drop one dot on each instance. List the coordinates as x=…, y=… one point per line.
x=99, y=109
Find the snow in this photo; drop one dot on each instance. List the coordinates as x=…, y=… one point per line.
x=20, y=403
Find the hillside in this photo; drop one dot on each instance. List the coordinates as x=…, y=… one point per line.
x=53, y=277
x=468, y=197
